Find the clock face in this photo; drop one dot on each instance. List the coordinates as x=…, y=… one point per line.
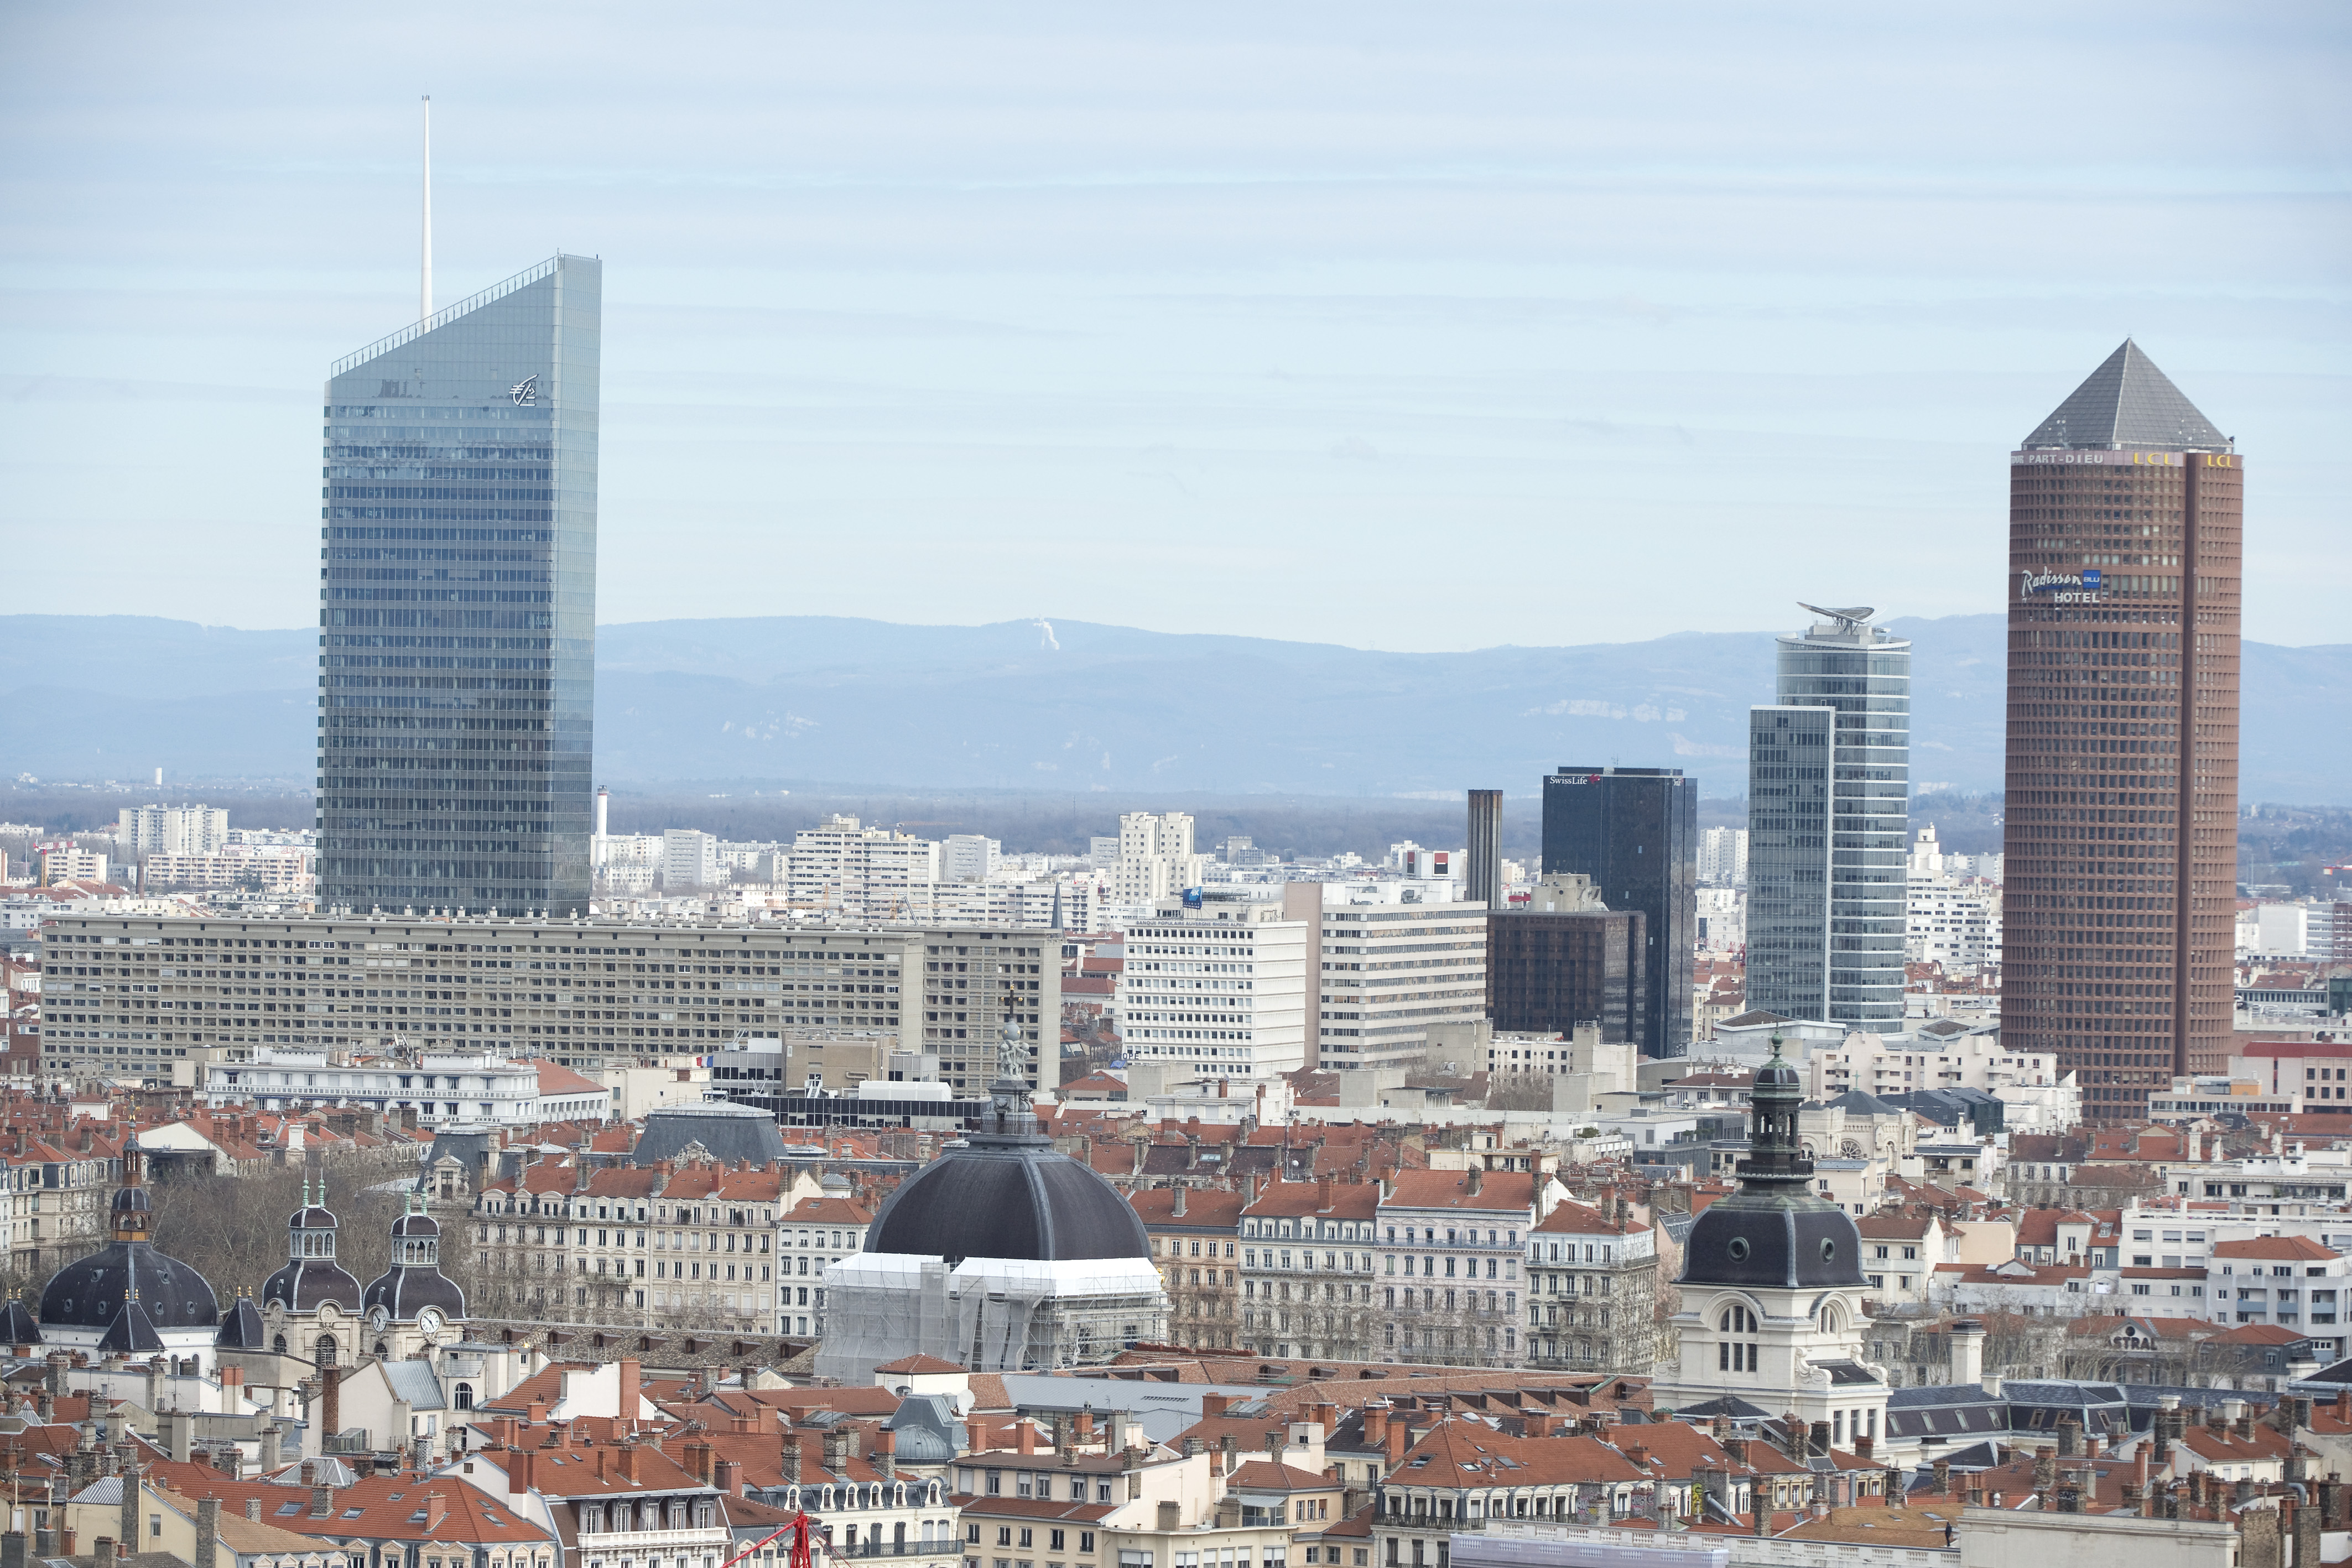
x=377, y=1317
x=429, y=1320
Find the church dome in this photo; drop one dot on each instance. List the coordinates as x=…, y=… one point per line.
x=312, y=1278
x=1774, y=1241
x=127, y=1290
x=1008, y=1197
x=1774, y=1232
x=90, y=1293
x=1007, y=1192
x=414, y=1281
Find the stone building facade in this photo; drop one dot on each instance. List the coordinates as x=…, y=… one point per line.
x=1593, y=1293
x=1451, y=1246
x=1195, y=1235
x=1308, y=1271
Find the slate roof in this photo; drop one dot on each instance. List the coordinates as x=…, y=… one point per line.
x=729, y=1132
x=414, y=1381
x=2126, y=401
x=241, y=1327
x=1856, y=1102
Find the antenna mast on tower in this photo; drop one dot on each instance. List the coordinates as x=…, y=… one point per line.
x=425, y=290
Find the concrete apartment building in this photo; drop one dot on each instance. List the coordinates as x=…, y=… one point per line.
x=1156, y=859
x=1949, y=918
x=1723, y=857
x=970, y=857
x=1219, y=988
x=1307, y=1273
x=689, y=859
x=860, y=873
x=67, y=861
x=2039, y=1098
x=155, y=998
x=1451, y=1247
x=457, y=1086
x=172, y=830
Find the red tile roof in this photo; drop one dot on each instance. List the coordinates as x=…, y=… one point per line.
x=1498, y=1191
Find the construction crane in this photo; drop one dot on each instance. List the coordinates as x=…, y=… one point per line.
x=799, y=1555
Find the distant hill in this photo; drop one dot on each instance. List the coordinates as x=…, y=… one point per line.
x=1074, y=706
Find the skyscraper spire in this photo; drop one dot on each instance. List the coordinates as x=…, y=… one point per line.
x=2128, y=402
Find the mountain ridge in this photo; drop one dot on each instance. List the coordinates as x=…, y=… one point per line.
x=1053, y=704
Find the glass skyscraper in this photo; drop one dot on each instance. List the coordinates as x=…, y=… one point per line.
x=457, y=604
x=1635, y=831
x=1828, y=788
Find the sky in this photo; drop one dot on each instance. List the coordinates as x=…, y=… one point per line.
x=1401, y=326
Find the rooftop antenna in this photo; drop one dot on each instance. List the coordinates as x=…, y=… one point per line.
x=424, y=290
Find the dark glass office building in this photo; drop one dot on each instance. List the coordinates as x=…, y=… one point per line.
x=1548, y=973
x=1635, y=831
x=1828, y=808
x=2126, y=518
x=457, y=604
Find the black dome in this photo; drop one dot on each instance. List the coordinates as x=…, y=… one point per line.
x=404, y=1292
x=414, y=1281
x=90, y=1293
x=1775, y=1239
x=306, y=1284
x=1774, y=1231
x=128, y=1199
x=1008, y=1198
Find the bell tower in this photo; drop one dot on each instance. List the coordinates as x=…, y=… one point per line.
x=1771, y=1320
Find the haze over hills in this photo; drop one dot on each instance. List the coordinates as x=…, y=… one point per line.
x=1076, y=706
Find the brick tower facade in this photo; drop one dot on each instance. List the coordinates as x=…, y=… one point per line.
x=2120, y=834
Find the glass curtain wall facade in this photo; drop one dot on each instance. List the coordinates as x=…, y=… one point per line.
x=1635, y=831
x=1829, y=812
x=457, y=604
x=2126, y=514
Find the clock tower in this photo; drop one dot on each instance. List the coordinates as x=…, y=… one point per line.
x=411, y=1306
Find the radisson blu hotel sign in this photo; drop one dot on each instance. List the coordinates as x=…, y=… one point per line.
x=2061, y=587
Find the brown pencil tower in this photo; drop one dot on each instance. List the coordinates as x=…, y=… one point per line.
x=2120, y=836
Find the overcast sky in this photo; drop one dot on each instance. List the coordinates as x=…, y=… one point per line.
x=1412, y=326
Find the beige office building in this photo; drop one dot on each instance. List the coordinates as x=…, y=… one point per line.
x=1389, y=972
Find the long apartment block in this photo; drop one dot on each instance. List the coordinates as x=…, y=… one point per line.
x=130, y=997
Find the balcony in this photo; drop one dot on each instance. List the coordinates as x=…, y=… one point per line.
x=692, y=1539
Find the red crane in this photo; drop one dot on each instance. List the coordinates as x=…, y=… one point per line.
x=799, y=1555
